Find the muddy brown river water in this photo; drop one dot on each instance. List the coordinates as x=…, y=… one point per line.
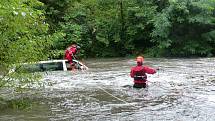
x=182, y=90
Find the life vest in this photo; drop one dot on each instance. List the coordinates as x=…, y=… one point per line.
x=140, y=76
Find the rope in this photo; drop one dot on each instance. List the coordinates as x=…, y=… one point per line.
x=112, y=95
x=116, y=97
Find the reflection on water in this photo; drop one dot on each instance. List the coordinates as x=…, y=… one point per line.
x=182, y=90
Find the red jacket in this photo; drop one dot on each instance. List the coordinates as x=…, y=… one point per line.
x=139, y=73
x=69, y=52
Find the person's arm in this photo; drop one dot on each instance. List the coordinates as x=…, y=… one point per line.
x=72, y=52
x=132, y=73
x=149, y=70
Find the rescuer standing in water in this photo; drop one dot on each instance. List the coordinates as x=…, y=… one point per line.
x=139, y=73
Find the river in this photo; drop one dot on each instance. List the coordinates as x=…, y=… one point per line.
x=182, y=90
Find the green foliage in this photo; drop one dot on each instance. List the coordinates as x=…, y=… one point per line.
x=106, y=28
x=23, y=38
x=22, y=31
x=139, y=24
x=55, y=10
x=183, y=26
x=123, y=27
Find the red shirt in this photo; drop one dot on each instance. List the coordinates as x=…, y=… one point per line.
x=69, y=52
x=142, y=71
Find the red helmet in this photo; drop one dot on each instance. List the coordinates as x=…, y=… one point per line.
x=140, y=59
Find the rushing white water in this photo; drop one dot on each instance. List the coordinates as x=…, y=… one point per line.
x=182, y=90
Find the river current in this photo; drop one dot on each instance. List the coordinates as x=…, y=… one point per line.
x=182, y=90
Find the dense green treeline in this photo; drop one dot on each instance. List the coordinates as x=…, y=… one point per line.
x=106, y=28
x=33, y=30
x=186, y=28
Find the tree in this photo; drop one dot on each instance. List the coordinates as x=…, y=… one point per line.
x=23, y=39
x=105, y=28
x=122, y=27
x=185, y=28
